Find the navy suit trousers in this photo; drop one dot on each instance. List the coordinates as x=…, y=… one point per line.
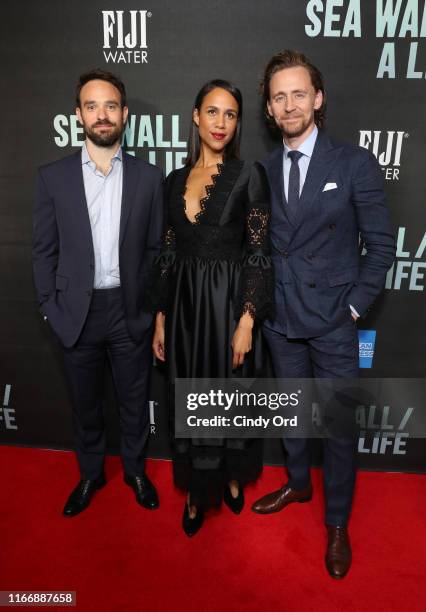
x=105, y=337
x=332, y=355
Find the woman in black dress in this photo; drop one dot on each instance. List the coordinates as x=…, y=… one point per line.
x=214, y=286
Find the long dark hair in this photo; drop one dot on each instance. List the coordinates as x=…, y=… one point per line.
x=290, y=59
x=232, y=149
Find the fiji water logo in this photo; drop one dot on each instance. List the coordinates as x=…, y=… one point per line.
x=125, y=36
x=387, y=148
x=367, y=341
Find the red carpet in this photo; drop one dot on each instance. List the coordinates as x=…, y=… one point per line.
x=118, y=556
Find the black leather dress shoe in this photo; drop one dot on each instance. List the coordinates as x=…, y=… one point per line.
x=145, y=492
x=192, y=525
x=82, y=495
x=236, y=504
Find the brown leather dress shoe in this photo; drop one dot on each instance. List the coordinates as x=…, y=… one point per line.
x=338, y=556
x=276, y=501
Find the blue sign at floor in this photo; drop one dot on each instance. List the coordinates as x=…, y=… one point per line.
x=367, y=341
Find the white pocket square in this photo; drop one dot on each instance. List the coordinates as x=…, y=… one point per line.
x=330, y=186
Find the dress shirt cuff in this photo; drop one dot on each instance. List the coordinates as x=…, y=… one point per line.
x=354, y=311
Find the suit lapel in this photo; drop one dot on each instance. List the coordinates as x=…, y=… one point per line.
x=322, y=161
x=82, y=218
x=130, y=182
x=276, y=180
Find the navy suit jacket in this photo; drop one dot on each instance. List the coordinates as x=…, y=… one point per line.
x=319, y=269
x=63, y=255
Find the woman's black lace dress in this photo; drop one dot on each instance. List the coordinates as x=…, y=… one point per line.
x=208, y=274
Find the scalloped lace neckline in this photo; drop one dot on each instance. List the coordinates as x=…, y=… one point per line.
x=208, y=188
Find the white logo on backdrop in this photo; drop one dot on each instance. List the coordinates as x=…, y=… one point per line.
x=394, y=21
x=125, y=36
x=387, y=147
x=7, y=414
x=379, y=435
x=156, y=138
x=152, y=406
x=408, y=271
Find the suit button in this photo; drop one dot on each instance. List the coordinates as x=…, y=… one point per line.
x=285, y=254
x=312, y=285
x=89, y=292
x=332, y=226
x=311, y=255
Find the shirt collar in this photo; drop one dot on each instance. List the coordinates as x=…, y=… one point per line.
x=307, y=146
x=85, y=157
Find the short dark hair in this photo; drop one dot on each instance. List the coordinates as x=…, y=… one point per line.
x=232, y=149
x=290, y=59
x=101, y=75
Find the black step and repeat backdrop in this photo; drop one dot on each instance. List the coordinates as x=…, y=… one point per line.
x=373, y=56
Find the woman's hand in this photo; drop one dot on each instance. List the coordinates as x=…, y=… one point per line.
x=158, y=339
x=241, y=342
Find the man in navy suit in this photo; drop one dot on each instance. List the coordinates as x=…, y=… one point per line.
x=97, y=227
x=325, y=196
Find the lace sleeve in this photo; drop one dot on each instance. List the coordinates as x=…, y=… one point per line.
x=159, y=277
x=160, y=274
x=256, y=294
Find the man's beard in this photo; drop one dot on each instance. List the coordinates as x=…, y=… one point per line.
x=104, y=139
x=297, y=129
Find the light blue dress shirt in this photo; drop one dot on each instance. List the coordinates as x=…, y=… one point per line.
x=103, y=196
x=307, y=148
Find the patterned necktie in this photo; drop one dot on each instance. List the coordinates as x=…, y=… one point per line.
x=294, y=182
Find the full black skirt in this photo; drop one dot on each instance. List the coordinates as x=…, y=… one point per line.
x=200, y=324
